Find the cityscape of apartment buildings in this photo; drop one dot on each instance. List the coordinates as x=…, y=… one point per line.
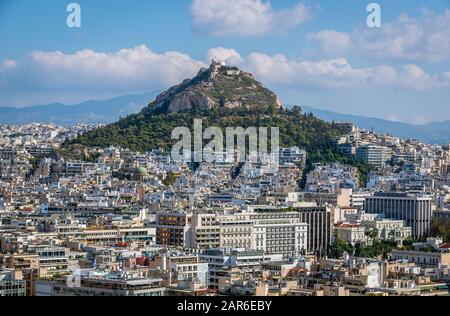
x=224, y=155
x=130, y=223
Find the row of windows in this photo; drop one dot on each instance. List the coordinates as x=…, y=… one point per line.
x=188, y=268
x=52, y=254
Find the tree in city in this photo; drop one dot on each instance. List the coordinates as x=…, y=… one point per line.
x=339, y=247
x=440, y=227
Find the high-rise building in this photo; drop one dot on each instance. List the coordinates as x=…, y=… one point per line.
x=275, y=235
x=318, y=220
x=414, y=209
x=206, y=231
x=236, y=231
x=173, y=229
x=373, y=155
x=274, y=231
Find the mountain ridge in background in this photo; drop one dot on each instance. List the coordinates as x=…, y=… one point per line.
x=434, y=132
x=88, y=112
x=111, y=110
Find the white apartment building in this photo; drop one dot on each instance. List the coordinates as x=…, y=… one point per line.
x=281, y=236
x=247, y=260
x=373, y=155
x=357, y=199
x=190, y=268
x=272, y=232
x=206, y=230
x=236, y=231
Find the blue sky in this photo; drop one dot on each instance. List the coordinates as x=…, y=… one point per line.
x=317, y=53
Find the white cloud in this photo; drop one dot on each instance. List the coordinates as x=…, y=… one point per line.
x=86, y=74
x=244, y=17
x=415, y=77
x=278, y=70
x=134, y=67
x=228, y=55
x=422, y=39
x=8, y=64
x=426, y=38
x=332, y=73
x=7, y=68
x=91, y=73
x=329, y=43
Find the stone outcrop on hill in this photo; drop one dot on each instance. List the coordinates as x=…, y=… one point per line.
x=217, y=86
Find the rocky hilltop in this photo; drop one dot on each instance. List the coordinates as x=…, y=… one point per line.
x=221, y=96
x=217, y=86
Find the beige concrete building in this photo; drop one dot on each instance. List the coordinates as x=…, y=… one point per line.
x=421, y=258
